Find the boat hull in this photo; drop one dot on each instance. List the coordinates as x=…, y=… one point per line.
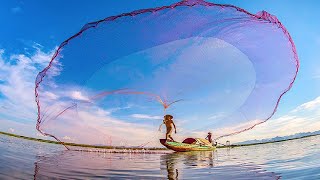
x=183, y=147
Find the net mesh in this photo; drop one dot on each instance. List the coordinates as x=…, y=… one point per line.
x=212, y=67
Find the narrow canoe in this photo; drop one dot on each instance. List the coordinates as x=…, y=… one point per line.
x=184, y=147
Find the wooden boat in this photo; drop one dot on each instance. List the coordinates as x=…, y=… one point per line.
x=189, y=144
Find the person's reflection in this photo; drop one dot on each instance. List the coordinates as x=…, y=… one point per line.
x=88, y=165
x=169, y=161
x=211, y=159
x=172, y=162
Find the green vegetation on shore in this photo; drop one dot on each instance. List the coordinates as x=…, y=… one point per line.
x=132, y=148
x=74, y=144
x=253, y=144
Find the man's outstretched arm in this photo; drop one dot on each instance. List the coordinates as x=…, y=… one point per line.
x=175, y=129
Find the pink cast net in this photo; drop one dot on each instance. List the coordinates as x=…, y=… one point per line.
x=213, y=67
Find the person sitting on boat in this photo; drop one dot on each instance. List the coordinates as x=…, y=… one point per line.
x=209, y=137
x=169, y=125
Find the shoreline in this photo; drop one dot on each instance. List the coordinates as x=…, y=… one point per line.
x=76, y=145
x=133, y=148
x=254, y=144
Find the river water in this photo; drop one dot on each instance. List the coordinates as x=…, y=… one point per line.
x=296, y=159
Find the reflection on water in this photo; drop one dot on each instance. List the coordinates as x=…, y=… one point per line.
x=87, y=165
x=68, y=164
x=205, y=165
x=298, y=159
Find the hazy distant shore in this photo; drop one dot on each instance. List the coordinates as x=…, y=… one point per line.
x=133, y=148
x=74, y=144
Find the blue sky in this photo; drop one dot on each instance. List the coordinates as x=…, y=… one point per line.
x=40, y=26
x=50, y=23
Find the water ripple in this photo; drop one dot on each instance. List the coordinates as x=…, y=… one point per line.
x=299, y=159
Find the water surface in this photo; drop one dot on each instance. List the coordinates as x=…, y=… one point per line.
x=297, y=159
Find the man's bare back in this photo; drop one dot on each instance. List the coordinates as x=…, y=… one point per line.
x=169, y=126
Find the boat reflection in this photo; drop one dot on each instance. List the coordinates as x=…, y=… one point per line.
x=93, y=165
x=206, y=165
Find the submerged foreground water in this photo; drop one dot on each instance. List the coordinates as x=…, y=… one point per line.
x=297, y=159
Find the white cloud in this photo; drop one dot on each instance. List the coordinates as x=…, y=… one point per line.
x=100, y=112
x=17, y=74
x=51, y=95
x=311, y=105
x=94, y=127
x=145, y=116
x=304, y=118
x=77, y=95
